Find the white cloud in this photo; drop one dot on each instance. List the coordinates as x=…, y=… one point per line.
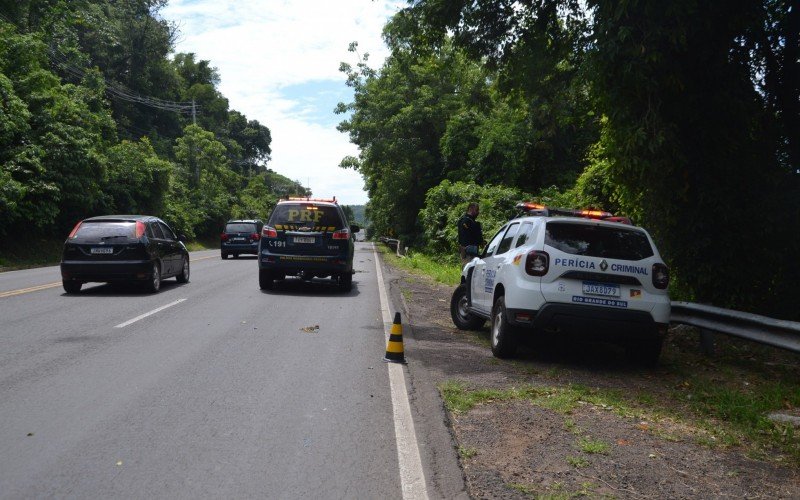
x=261, y=47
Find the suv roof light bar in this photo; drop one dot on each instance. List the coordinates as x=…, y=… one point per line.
x=306, y=198
x=535, y=209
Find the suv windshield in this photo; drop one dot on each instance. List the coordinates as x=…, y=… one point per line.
x=306, y=214
x=240, y=227
x=598, y=241
x=105, y=230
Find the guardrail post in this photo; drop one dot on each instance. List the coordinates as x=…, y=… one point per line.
x=707, y=342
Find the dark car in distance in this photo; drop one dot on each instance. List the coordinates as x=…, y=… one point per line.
x=307, y=238
x=123, y=248
x=240, y=237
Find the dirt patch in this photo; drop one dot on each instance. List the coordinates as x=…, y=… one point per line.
x=624, y=431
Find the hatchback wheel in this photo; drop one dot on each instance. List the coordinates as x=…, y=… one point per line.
x=71, y=286
x=154, y=285
x=504, y=341
x=183, y=277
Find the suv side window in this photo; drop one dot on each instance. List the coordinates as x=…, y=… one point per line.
x=524, y=234
x=505, y=243
x=490, y=248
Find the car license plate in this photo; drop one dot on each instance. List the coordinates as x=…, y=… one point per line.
x=604, y=289
x=102, y=250
x=304, y=239
x=238, y=240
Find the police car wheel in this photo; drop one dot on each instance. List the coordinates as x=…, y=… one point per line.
x=265, y=279
x=224, y=255
x=644, y=353
x=462, y=318
x=503, y=338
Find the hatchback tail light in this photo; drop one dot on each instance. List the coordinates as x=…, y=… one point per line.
x=269, y=232
x=342, y=234
x=660, y=276
x=224, y=236
x=139, y=229
x=74, y=230
x=537, y=263
x=255, y=237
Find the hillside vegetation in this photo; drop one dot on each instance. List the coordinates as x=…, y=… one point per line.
x=98, y=116
x=683, y=115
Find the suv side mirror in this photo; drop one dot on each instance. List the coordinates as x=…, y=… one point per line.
x=354, y=228
x=182, y=238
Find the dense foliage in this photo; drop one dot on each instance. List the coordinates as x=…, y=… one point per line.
x=97, y=118
x=684, y=115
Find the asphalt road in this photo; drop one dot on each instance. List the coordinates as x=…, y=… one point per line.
x=212, y=389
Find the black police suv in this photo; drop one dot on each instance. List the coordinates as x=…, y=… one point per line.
x=307, y=238
x=239, y=237
x=123, y=248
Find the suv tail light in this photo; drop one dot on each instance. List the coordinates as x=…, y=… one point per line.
x=255, y=237
x=269, y=232
x=139, y=229
x=74, y=230
x=660, y=276
x=537, y=263
x=342, y=234
x=224, y=236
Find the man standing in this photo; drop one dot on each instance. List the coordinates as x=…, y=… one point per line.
x=470, y=233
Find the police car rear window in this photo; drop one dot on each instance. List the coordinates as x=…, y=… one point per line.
x=598, y=241
x=306, y=214
x=240, y=227
x=106, y=230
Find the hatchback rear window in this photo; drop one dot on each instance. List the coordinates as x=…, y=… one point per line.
x=598, y=241
x=240, y=227
x=105, y=230
x=302, y=214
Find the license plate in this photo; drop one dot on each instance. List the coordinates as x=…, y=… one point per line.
x=304, y=239
x=238, y=240
x=102, y=250
x=603, y=289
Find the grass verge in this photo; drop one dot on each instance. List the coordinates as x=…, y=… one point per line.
x=421, y=264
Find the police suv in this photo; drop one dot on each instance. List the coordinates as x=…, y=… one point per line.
x=562, y=273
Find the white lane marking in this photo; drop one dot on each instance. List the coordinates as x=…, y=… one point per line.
x=412, y=478
x=142, y=316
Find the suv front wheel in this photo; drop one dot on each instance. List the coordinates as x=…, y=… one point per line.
x=462, y=318
x=504, y=341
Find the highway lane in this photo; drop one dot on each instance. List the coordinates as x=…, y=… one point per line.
x=227, y=392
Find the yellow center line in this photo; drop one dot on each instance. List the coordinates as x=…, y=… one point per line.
x=11, y=293
x=36, y=288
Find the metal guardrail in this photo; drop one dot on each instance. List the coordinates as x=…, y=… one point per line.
x=392, y=242
x=762, y=329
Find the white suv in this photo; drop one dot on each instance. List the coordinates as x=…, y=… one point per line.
x=567, y=273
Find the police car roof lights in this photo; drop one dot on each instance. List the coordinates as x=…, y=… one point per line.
x=306, y=198
x=536, y=209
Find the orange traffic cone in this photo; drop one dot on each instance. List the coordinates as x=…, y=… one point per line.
x=394, y=348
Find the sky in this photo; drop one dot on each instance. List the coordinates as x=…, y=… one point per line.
x=278, y=62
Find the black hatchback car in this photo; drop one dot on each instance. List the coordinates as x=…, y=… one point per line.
x=239, y=237
x=307, y=238
x=123, y=248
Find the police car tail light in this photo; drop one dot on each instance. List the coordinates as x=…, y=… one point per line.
x=255, y=237
x=269, y=232
x=139, y=229
x=537, y=263
x=342, y=234
x=74, y=230
x=660, y=276
x=223, y=236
